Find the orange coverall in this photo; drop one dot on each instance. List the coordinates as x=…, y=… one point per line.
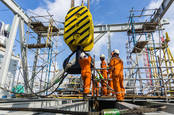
x=85, y=64
x=104, y=74
x=116, y=65
x=110, y=82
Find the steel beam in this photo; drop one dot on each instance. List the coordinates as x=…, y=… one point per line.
x=35, y=63
x=111, y=27
x=23, y=54
x=162, y=10
x=96, y=39
x=16, y=10
x=109, y=46
x=128, y=105
x=9, y=50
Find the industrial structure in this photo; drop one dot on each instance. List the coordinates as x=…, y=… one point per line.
x=148, y=83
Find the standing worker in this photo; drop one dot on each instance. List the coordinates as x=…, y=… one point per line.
x=116, y=66
x=85, y=64
x=110, y=81
x=104, y=74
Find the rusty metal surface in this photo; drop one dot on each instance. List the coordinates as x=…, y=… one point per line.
x=39, y=45
x=40, y=28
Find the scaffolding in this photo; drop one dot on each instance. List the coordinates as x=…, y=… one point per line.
x=44, y=49
x=149, y=48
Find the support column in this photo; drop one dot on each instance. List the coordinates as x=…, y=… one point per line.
x=8, y=52
x=72, y=3
x=24, y=55
x=35, y=63
x=109, y=45
x=89, y=4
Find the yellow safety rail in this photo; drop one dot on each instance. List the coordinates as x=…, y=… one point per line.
x=168, y=57
x=50, y=30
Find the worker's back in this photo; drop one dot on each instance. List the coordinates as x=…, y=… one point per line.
x=116, y=65
x=85, y=65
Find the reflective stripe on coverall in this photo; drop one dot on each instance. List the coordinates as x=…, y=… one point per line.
x=116, y=65
x=85, y=64
x=104, y=74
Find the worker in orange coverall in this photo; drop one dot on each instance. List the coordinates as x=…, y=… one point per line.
x=85, y=64
x=110, y=81
x=116, y=66
x=104, y=74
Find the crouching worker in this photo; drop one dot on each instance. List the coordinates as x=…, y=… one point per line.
x=116, y=65
x=85, y=64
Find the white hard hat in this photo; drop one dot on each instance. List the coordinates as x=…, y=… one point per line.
x=82, y=55
x=116, y=51
x=102, y=56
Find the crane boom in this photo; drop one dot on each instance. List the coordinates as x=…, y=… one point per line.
x=162, y=10
x=16, y=9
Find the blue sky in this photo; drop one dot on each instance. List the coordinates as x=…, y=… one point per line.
x=103, y=12
x=115, y=11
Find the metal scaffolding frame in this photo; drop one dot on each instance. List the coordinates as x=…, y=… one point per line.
x=131, y=27
x=153, y=79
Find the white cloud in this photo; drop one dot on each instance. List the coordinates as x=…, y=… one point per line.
x=154, y=4
x=57, y=8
